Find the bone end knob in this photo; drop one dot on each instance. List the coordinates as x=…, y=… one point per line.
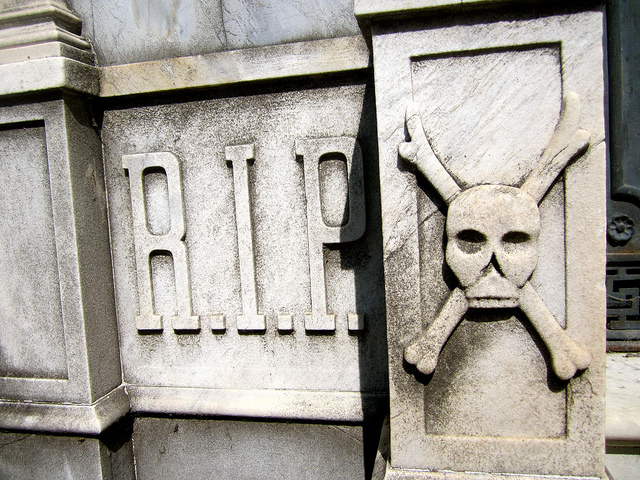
x=425, y=350
x=567, y=357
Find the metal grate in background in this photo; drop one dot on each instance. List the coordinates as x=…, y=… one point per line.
x=623, y=302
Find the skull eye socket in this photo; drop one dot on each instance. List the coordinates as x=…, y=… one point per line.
x=471, y=236
x=516, y=237
x=470, y=241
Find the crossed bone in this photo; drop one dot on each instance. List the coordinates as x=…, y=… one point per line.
x=492, y=246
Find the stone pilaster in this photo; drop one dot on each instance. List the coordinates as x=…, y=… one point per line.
x=492, y=171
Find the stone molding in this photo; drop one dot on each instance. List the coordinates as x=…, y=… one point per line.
x=369, y=9
x=236, y=67
x=41, y=30
x=289, y=404
x=83, y=419
x=302, y=59
x=56, y=73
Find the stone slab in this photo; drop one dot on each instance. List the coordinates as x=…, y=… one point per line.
x=290, y=404
x=216, y=345
x=495, y=403
x=28, y=456
x=240, y=66
x=90, y=419
x=202, y=449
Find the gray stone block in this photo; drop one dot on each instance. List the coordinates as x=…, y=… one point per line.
x=250, y=23
x=496, y=354
x=27, y=456
x=140, y=30
x=202, y=449
x=198, y=310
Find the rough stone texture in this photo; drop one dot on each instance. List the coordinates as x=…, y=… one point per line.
x=202, y=449
x=39, y=29
x=142, y=30
x=68, y=219
x=489, y=94
x=139, y=30
x=26, y=456
x=251, y=23
x=217, y=351
x=240, y=66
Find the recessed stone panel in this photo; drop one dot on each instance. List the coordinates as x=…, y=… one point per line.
x=31, y=329
x=492, y=184
x=283, y=265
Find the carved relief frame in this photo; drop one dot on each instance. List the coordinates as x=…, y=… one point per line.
x=417, y=440
x=77, y=252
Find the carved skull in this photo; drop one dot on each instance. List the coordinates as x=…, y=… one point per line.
x=492, y=244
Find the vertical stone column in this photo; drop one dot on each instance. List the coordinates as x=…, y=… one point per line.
x=492, y=166
x=59, y=355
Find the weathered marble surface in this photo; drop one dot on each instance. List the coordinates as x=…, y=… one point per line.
x=284, y=371
x=489, y=93
x=143, y=30
x=218, y=350
x=28, y=456
x=276, y=62
x=74, y=338
x=167, y=448
x=249, y=23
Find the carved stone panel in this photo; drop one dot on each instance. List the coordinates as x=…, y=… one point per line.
x=31, y=308
x=492, y=180
x=244, y=256
x=58, y=338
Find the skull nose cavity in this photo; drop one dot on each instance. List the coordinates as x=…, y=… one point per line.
x=494, y=265
x=471, y=241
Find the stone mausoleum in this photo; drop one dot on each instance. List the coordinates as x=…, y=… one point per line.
x=319, y=239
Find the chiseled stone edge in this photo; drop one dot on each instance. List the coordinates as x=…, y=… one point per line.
x=68, y=418
x=366, y=9
x=236, y=66
x=287, y=404
x=384, y=471
x=30, y=14
x=48, y=74
x=408, y=474
x=200, y=71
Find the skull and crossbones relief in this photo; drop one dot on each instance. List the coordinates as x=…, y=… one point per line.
x=492, y=243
